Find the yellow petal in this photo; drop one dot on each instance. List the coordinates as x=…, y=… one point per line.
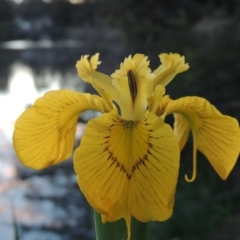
x=172, y=64
x=128, y=168
x=216, y=135
x=156, y=99
x=44, y=134
x=86, y=71
x=133, y=108
x=153, y=183
x=158, y=103
x=181, y=129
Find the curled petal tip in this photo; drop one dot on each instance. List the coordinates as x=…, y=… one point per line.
x=190, y=180
x=194, y=174
x=172, y=64
x=86, y=67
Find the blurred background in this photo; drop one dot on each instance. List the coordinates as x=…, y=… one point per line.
x=40, y=42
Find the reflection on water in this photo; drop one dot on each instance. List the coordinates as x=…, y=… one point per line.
x=28, y=44
x=21, y=78
x=21, y=91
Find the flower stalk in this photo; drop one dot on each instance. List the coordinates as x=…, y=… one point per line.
x=117, y=230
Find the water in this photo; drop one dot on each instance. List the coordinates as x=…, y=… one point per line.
x=44, y=204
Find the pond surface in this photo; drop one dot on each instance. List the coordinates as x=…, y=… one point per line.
x=48, y=204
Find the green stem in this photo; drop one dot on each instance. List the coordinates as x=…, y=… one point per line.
x=117, y=230
x=15, y=227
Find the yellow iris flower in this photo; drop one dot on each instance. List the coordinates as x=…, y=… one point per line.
x=128, y=161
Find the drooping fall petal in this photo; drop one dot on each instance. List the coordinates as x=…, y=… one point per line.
x=128, y=168
x=44, y=134
x=181, y=129
x=172, y=64
x=216, y=135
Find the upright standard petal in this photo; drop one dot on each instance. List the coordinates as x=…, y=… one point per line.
x=128, y=168
x=216, y=135
x=87, y=72
x=133, y=85
x=44, y=134
x=172, y=64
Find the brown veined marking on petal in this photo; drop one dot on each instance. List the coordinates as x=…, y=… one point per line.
x=160, y=110
x=141, y=160
x=111, y=156
x=132, y=85
x=129, y=126
x=115, y=162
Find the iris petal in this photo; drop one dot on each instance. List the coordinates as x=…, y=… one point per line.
x=87, y=72
x=181, y=129
x=216, y=135
x=155, y=99
x=172, y=64
x=133, y=109
x=44, y=134
x=154, y=180
x=128, y=168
